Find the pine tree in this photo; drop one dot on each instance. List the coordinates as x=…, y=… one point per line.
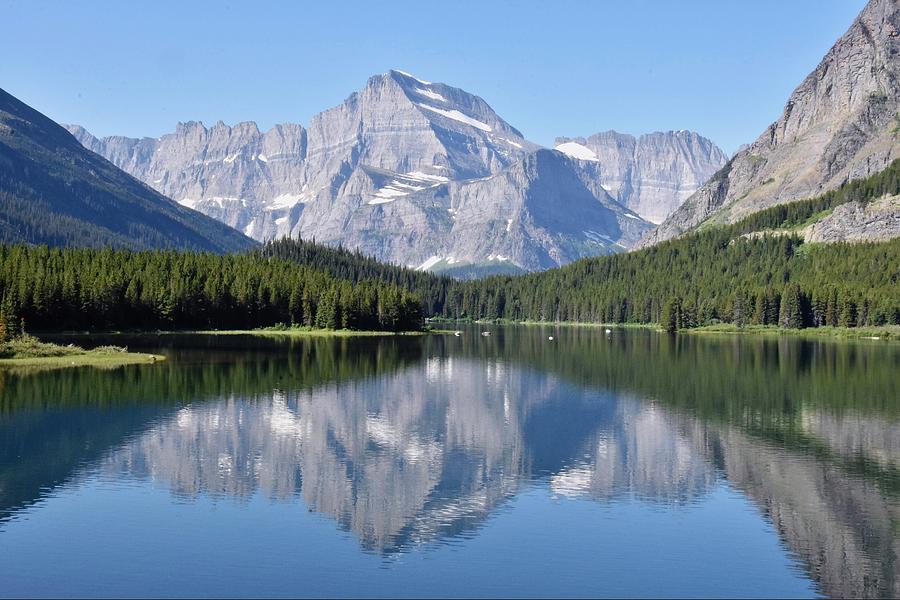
x=848, y=313
x=671, y=315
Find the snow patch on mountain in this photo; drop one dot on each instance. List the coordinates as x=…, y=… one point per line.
x=429, y=263
x=430, y=94
x=458, y=116
x=576, y=150
x=411, y=76
x=286, y=201
x=406, y=184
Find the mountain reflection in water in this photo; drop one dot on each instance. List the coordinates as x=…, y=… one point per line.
x=410, y=442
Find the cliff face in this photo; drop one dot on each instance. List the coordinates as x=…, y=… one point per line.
x=652, y=174
x=840, y=124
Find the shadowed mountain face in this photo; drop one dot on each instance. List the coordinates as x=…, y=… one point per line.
x=54, y=191
x=413, y=172
x=840, y=124
x=652, y=174
x=417, y=442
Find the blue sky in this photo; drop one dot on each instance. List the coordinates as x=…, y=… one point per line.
x=723, y=68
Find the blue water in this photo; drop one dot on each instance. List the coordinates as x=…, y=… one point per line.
x=420, y=468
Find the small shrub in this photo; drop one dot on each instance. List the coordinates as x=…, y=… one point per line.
x=28, y=346
x=110, y=349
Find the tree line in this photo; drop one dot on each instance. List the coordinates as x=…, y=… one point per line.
x=701, y=279
x=756, y=271
x=354, y=266
x=735, y=274
x=53, y=289
x=717, y=275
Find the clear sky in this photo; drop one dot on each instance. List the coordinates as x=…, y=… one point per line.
x=723, y=68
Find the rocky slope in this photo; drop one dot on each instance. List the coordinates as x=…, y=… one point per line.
x=877, y=221
x=652, y=174
x=54, y=191
x=841, y=123
x=413, y=172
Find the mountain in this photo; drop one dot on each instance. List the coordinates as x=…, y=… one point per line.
x=412, y=172
x=652, y=174
x=54, y=191
x=842, y=123
x=540, y=212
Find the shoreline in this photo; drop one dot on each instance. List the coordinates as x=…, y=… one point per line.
x=298, y=332
x=263, y=332
x=878, y=333
x=505, y=322
x=89, y=358
x=875, y=333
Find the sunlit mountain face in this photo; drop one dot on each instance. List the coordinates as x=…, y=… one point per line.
x=418, y=444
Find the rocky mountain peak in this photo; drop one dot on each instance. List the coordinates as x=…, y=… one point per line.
x=411, y=171
x=839, y=124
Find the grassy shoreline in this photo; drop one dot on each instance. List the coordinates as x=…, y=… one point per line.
x=28, y=351
x=88, y=359
x=302, y=332
x=445, y=321
x=884, y=332
x=263, y=331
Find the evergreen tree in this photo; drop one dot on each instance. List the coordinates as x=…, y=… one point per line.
x=671, y=315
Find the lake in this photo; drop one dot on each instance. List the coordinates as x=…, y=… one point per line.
x=624, y=464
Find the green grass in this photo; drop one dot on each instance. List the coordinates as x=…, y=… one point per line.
x=885, y=332
x=278, y=331
x=814, y=218
x=29, y=351
x=545, y=323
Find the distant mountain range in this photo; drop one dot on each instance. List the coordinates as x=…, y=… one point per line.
x=842, y=123
x=53, y=191
x=425, y=175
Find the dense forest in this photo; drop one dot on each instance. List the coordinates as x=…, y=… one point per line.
x=355, y=267
x=756, y=271
x=701, y=279
x=717, y=274
x=54, y=289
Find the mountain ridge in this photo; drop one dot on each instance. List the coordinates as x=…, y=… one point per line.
x=839, y=124
x=54, y=191
x=394, y=171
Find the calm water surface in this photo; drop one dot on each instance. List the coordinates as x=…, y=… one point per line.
x=626, y=464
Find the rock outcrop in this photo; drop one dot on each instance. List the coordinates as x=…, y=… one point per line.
x=877, y=221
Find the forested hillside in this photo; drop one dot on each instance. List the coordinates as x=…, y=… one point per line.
x=355, y=267
x=701, y=279
x=53, y=191
x=756, y=271
x=86, y=289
